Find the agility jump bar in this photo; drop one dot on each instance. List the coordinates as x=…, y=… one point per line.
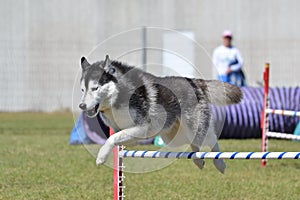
x=283, y=136
x=209, y=155
x=283, y=112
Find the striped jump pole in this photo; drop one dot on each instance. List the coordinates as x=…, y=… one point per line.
x=119, y=189
x=265, y=115
x=283, y=136
x=118, y=172
x=210, y=155
x=283, y=112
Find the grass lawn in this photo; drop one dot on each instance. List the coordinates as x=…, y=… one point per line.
x=37, y=162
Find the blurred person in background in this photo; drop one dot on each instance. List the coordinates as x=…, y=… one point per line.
x=228, y=61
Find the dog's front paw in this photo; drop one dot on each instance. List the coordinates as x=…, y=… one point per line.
x=100, y=161
x=102, y=156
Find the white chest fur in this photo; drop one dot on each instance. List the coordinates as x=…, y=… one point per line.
x=119, y=119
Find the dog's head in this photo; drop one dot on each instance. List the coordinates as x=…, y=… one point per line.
x=98, y=85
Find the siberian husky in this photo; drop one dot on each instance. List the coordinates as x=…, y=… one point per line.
x=139, y=105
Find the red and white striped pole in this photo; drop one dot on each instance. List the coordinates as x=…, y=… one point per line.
x=265, y=115
x=118, y=172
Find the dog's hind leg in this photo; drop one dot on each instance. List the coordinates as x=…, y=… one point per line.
x=125, y=136
x=212, y=142
x=219, y=163
x=199, y=162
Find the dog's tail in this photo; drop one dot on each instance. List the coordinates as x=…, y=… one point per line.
x=220, y=93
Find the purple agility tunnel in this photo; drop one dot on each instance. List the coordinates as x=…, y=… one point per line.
x=244, y=120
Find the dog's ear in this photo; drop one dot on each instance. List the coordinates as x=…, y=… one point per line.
x=84, y=63
x=108, y=67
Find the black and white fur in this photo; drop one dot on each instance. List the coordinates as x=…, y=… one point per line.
x=139, y=105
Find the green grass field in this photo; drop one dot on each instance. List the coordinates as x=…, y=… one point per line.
x=37, y=162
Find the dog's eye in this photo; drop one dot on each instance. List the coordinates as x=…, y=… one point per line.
x=95, y=88
x=82, y=90
x=111, y=70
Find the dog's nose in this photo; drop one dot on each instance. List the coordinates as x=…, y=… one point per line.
x=82, y=106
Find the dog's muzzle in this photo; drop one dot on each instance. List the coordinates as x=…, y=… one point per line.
x=82, y=106
x=91, y=112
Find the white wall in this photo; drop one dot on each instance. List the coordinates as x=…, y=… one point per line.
x=41, y=41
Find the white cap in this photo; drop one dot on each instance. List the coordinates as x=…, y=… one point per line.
x=227, y=33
